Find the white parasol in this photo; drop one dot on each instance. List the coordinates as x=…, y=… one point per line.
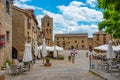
x=44, y=51
x=110, y=53
x=55, y=51
x=27, y=53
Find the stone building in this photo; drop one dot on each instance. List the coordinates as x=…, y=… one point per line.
x=38, y=36
x=41, y=37
x=100, y=38
x=5, y=31
x=71, y=41
x=90, y=42
x=47, y=30
x=25, y=28
x=81, y=41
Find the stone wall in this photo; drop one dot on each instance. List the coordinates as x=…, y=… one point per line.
x=24, y=29
x=69, y=41
x=18, y=32
x=100, y=38
x=5, y=29
x=47, y=29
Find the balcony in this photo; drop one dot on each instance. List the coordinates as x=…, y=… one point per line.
x=2, y=39
x=2, y=43
x=2, y=35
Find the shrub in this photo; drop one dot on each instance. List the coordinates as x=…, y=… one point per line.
x=8, y=61
x=60, y=57
x=69, y=57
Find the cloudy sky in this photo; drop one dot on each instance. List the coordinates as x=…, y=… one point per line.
x=69, y=16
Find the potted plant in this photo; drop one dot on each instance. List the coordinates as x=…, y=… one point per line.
x=69, y=58
x=47, y=60
x=3, y=67
x=47, y=64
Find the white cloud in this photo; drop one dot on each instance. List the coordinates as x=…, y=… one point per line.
x=79, y=13
x=21, y=5
x=70, y=15
x=92, y=3
x=39, y=19
x=76, y=3
x=25, y=6
x=24, y=0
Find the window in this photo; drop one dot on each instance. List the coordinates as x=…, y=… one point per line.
x=82, y=41
x=48, y=24
x=82, y=46
x=33, y=29
x=7, y=35
x=97, y=37
x=57, y=38
x=27, y=33
x=28, y=23
x=104, y=42
x=57, y=42
x=29, y=39
x=75, y=41
x=104, y=38
x=76, y=46
x=63, y=42
x=47, y=31
x=8, y=6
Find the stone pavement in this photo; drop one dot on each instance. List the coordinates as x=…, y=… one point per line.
x=60, y=70
x=106, y=76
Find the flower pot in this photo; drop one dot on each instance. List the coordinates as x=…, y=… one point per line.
x=47, y=64
x=2, y=77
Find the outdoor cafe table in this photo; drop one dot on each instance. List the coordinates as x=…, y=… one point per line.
x=20, y=68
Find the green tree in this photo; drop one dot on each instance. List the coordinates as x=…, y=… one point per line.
x=111, y=17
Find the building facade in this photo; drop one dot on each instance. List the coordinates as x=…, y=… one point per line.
x=100, y=38
x=25, y=28
x=81, y=41
x=90, y=42
x=5, y=31
x=47, y=30
x=72, y=41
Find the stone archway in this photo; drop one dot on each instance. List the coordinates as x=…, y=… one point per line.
x=72, y=47
x=14, y=53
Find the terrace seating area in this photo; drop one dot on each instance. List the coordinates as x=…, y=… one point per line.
x=106, y=66
x=18, y=68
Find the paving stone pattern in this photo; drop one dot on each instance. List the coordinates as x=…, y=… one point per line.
x=60, y=70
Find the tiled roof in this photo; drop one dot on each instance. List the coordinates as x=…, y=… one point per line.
x=100, y=32
x=66, y=35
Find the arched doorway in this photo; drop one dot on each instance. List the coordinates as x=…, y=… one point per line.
x=14, y=53
x=72, y=47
